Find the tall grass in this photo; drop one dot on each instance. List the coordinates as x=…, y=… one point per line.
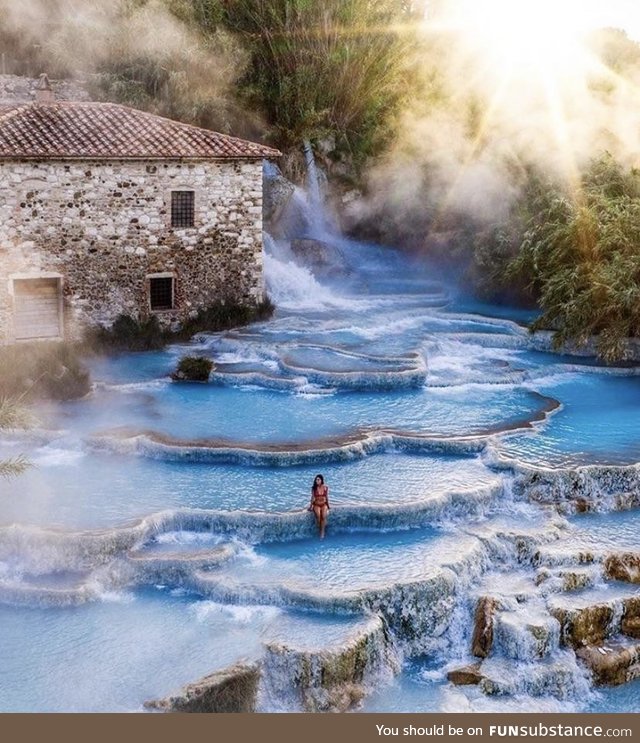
x=13, y=416
x=320, y=68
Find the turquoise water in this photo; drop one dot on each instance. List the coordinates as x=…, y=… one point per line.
x=608, y=532
x=262, y=416
x=77, y=489
x=347, y=562
x=599, y=422
x=132, y=647
x=421, y=520
x=422, y=688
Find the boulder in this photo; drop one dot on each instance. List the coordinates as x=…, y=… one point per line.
x=584, y=626
x=323, y=259
x=631, y=627
x=483, y=627
x=623, y=566
x=277, y=192
x=193, y=369
x=613, y=663
x=528, y=634
x=564, y=580
x=466, y=676
x=329, y=679
x=631, y=607
x=230, y=690
x=554, y=677
x=573, y=580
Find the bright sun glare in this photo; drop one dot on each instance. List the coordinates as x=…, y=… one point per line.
x=524, y=38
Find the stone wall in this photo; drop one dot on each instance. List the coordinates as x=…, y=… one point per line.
x=106, y=226
x=18, y=89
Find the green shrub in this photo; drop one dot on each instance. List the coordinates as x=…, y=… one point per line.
x=128, y=334
x=223, y=316
x=193, y=369
x=43, y=370
x=12, y=416
x=581, y=254
x=318, y=68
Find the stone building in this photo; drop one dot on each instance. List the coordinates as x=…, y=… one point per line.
x=106, y=210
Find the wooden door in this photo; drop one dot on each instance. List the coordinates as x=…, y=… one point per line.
x=37, y=309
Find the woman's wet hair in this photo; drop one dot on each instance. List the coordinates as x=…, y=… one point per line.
x=321, y=481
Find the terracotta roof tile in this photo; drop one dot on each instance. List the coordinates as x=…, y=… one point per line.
x=111, y=132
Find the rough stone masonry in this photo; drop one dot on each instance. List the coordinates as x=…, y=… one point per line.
x=86, y=201
x=106, y=227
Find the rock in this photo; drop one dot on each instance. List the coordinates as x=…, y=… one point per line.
x=193, y=369
x=631, y=627
x=582, y=505
x=329, y=679
x=612, y=664
x=575, y=580
x=564, y=580
x=558, y=677
x=276, y=194
x=584, y=626
x=631, y=607
x=528, y=634
x=323, y=259
x=483, y=629
x=542, y=576
x=623, y=566
x=231, y=690
x=466, y=676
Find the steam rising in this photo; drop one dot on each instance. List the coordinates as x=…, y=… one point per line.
x=176, y=70
x=500, y=99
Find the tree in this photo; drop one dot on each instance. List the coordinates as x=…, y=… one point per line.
x=581, y=251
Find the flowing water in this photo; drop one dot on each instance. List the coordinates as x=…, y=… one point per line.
x=162, y=533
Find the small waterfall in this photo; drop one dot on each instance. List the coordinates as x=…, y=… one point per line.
x=318, y=220
x=288, y=283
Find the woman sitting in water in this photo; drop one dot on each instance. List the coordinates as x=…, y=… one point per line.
x=320, y=503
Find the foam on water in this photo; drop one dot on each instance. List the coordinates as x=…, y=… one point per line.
x=100, y=490
x=113, y=656
x=441, y=427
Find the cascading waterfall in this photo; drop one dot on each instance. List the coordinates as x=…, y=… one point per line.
x=318, y=222
x=290, y=285
x=467, y=469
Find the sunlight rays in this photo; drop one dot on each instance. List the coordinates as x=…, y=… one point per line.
x=532, y=66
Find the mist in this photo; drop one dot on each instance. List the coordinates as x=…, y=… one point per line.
x=149, y=54
x=493, y=106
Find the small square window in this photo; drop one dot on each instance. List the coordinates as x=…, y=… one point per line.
x=183, y=209
x=161, y=293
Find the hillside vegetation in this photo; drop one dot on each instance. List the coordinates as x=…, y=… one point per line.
x=378, y=100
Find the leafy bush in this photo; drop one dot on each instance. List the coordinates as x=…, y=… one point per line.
x=193, y=369
x=316, y=68
x=222, y=316
x=12, y=416
x=129, y=334
x=43, y=370
x=581, y=255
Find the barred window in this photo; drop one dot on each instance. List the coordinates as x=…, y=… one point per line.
x=182, y=209
x=161, y=293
